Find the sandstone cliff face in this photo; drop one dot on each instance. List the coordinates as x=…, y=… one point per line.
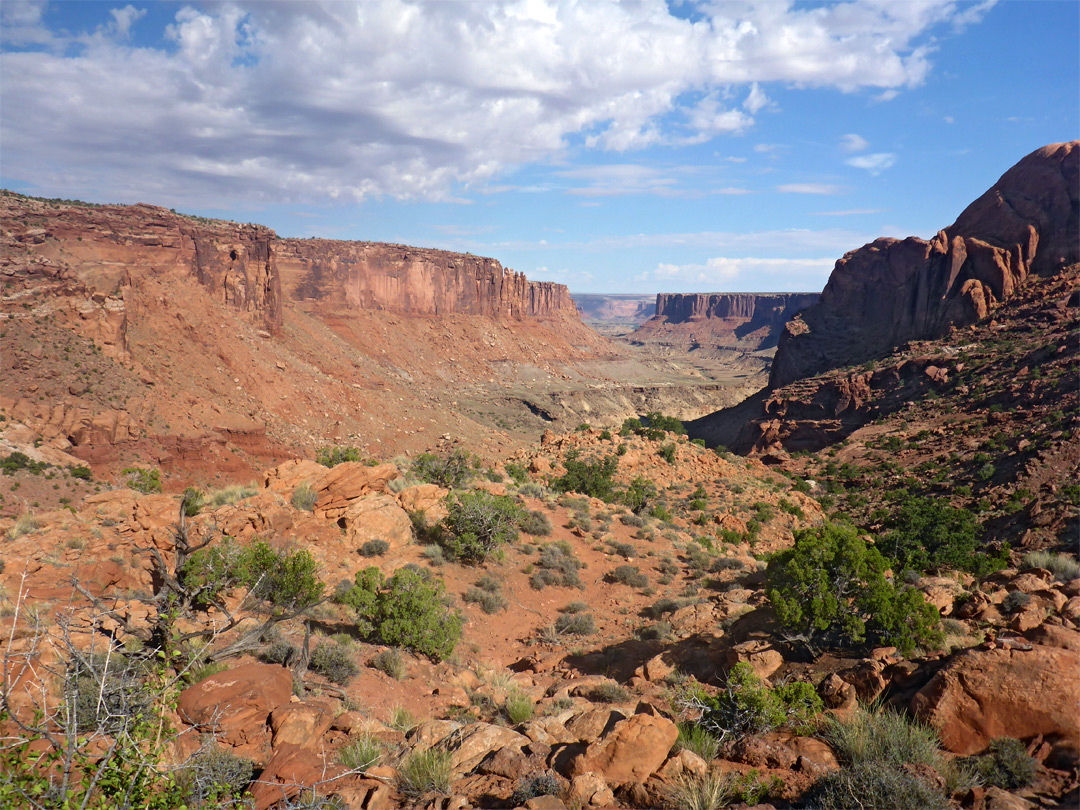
x=411, y=281
x=91, y=257
x=891, y=291
x=751, y=321
x=756, y=309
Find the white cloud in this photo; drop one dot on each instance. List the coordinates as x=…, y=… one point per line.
x=875, y=163
x=411, y=99
x=853, y=143
x=810, y=188
x=756, y=100
x=746, y=274
x=949, y=119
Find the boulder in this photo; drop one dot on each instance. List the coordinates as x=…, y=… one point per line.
x=426, y=498
x=471, y=744
x=590, y=789
x=236, y=705
x=759, y=654
x=301, y=724
x=346, y=483
x=981, y=694
x=377, y=517
x=631, y=751
x=286, y=477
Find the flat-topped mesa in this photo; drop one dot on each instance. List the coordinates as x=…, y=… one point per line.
x=763, y=309
x=83, y=251
x=342, y=276
x=891, y=291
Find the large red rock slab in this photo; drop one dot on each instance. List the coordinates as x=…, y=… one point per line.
x=986, y=693
x=236, y=705
x=631, y=751
x=347, y=482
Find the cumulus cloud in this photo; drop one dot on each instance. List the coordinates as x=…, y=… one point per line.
x=875, y=163
x=412, y=99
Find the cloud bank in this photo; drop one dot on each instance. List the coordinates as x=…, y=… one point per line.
x=301, y=101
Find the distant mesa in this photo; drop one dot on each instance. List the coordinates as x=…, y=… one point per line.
x=895, y=290
x=604, y=307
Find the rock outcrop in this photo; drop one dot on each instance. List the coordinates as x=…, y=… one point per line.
x=751, y=321
x=895, y=290
x=92, y=255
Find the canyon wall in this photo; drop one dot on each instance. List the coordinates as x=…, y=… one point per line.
x=895, y=290
x=746, y=321
x=95, y=253
x=756, y=309
x=411, y=281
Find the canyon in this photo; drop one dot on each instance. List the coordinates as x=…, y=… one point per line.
x=133, y=333
x=552, y=613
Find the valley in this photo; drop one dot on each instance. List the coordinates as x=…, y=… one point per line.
x=363, y=525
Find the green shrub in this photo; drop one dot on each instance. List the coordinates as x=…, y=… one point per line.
x=362, y=753
x=632, y=519
x=477, y=524
x=80, y=472
x=882, y=736
x=214, y=777
x=667, y=453
x=593, y=478
x=575, y=624
x=831, y=586
x=20, y=461
x=535, y=523
x=1005, y=764
x=870, y=786
x=639, y=495
x=624, y=550
x=533, y=785
x=452, y=471
x=284, y=579
x=232, y=494
x=711, y=791
x=629, y=575
x=609, y=692
x=334, y=661
x=698, y=740
x=1064, y=567
x=277, y=652
x=929, y=533
x=557, y=566
x=489, y=602
x=192, y=501
x=425, y=772
x=204, y=671
x=1015, y=602
x=518, y=707
x=408, y=610
x=390, y=662
x=374, y=548
x=748, y=706
x=142, y=480
x=517, y=472
x=332, y=456
x=304, y=498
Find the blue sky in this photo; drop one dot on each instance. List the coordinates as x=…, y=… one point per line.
x=615, y=147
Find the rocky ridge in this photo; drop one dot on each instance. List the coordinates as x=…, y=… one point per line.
x=891, y=291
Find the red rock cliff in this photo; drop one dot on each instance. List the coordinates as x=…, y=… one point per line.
x=764, y=309
x=411, y=281
x=891, y=291
x=91, y=256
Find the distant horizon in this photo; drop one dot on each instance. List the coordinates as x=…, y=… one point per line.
x=678, y=146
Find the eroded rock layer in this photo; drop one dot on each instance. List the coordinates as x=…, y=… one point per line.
x=894, y=290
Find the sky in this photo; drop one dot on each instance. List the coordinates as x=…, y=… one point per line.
x=616, y=147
